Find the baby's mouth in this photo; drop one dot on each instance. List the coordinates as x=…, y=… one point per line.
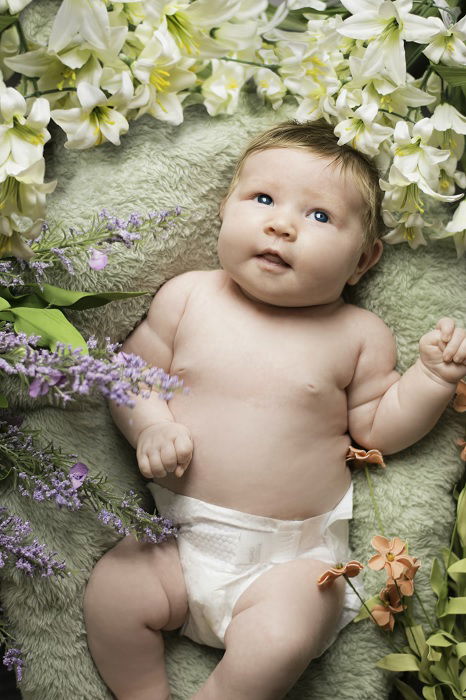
x=273, y=258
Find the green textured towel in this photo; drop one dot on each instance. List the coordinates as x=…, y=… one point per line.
x=161, y=166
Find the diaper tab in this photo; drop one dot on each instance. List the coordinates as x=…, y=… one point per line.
x=276, y=546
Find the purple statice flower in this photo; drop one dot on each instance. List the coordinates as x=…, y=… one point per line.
x=52, y=485
x=108, y=518
x=98, y=259
x=12, y=659
x=78, y=473
x=33, y=558
x=45, y=379
x=64, y=259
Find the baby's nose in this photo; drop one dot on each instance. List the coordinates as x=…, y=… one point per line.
x=281, y=224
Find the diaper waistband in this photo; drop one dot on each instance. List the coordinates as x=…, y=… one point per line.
x=238, y=537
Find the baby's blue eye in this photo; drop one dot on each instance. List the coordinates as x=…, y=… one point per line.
x=264, y=199
x=320, y=216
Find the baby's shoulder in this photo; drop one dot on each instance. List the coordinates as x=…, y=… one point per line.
x=364, y=323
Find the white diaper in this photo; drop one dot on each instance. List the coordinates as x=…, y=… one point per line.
x=222, y=551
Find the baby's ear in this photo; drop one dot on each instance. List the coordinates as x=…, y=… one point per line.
x=368, y=259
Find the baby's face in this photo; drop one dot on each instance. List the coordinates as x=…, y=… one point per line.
x=291, y=231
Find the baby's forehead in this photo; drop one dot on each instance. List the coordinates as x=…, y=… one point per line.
x=277, y=165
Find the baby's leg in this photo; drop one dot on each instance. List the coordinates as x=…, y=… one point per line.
x=135, y=591
x=280, y=623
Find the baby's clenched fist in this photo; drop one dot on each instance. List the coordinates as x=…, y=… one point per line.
x=443, y=351
x=162, y=448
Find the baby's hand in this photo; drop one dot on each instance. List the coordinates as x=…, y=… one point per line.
x=162, y=448
x=443, y=351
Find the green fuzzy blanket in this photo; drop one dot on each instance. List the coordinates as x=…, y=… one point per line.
x=159, y=166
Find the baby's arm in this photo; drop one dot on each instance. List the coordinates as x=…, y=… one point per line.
x=389, y=412
x=162, y=445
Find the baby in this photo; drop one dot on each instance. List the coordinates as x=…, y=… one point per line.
x=251, y=462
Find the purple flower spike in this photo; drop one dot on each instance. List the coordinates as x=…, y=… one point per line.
x=98, y=260
x=78, y=473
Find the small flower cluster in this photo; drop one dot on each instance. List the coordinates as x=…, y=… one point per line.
x=13, y=660
x=401, y=570
x=95, y=242
x=46, y=474
x=32, y=558
x=67, y=374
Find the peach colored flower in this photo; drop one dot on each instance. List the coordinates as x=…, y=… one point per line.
x=391, y=556
x=360, y=457
x=384, y=614
x=405, y=582
x=462, y=443
x=459, y=404
x=351, y=569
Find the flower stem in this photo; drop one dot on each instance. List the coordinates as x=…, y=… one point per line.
x=428, y=620
x=373, y=499
x=390, y=641
x=272, y=66
x=39, y=93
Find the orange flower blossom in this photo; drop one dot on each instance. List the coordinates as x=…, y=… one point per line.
x=391, y=556
x=459, y=404
x=360, y=457
x=405, y=582
x=351, y=569
x=462, y=443
x=384, y=614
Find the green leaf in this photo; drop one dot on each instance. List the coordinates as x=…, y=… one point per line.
x=7, y=20
x=416, y=639
x=4, y=304
x=432, y=692
x=3, y=401
x=399, y=662
x=437, y=580
x=461, y=517
x=455, y=606
x=460, y=650
x=406, y=691
x=459, y=567
x=453, y=75
x=79, y=300
x=441, y=639
x=50, y=324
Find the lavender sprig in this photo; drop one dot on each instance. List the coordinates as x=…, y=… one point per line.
x=59, y=245
x=67, y=374
x=31, y=558
x=46, y=474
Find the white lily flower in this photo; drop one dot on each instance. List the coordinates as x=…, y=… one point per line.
x=456, y=228
x=26, y=195
x=21, y=138
x=362, y=131
x=313, y=4
x=407, y=229
x=9, y=46
x=13, y=6
x=448, y=46
x=12, y=241
x=235, y=36
x=412, y=154
x=401, y=195
x=164, y=76
x=446, y=116
x=94, y=122
x=319, y=101
x=221, y=91
x=80, y=21
x=387, y=25
x=269, y=86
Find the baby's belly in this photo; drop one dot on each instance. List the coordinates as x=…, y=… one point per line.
x=261, y=459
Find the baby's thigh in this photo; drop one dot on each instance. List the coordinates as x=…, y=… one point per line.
x=286, y=604
x=140, y=581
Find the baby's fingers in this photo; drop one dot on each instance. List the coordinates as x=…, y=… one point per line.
x=184, y=451
x=446, y=326
x=456, y=349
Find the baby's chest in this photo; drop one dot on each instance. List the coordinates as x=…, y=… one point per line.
x=262, y=357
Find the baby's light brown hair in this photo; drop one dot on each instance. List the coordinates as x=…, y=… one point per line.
x=319, y=138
